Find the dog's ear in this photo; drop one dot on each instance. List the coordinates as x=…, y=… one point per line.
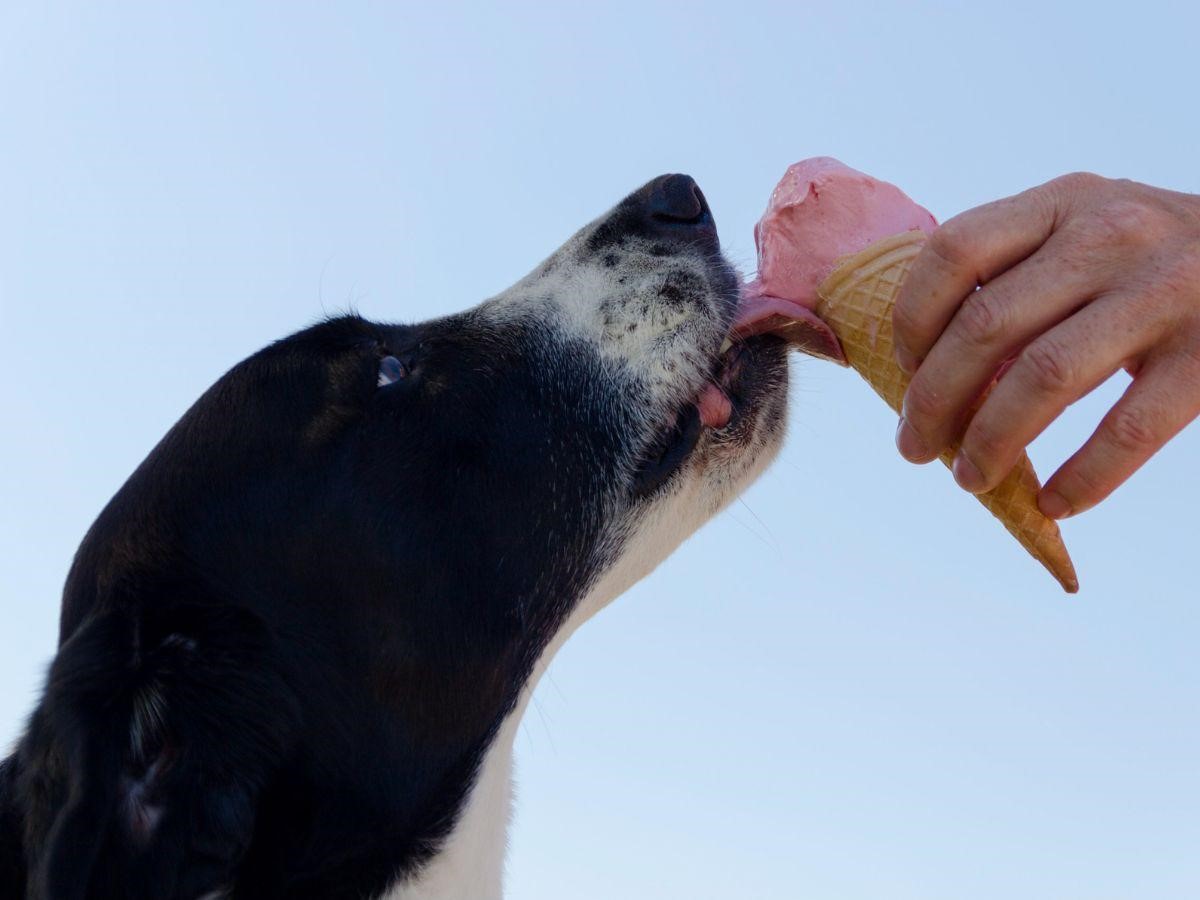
x=148, y=754
x=12, y=856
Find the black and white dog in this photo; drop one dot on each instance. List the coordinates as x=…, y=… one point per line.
x=296, y=645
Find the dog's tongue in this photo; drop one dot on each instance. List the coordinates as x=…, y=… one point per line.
x=715, y=407
x=820, y=211
x=761, y=313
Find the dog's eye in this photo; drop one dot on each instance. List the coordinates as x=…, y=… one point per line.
x=392, y=370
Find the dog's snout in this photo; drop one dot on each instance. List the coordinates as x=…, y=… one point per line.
x=670, y=211
x=675, y=199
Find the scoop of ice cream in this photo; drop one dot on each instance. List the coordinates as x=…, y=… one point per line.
x=820, y=211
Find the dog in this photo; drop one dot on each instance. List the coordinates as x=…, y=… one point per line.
x=296, y=645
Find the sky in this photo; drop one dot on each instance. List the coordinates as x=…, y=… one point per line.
x=852, y=684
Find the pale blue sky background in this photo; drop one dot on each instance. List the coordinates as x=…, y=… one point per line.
x=852, y=685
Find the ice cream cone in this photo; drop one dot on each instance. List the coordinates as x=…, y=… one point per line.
x=856, y=300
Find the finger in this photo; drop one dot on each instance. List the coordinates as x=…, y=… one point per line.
x=993, y=324
x=968, y=250
x=1062, y=365
x=1163, y=399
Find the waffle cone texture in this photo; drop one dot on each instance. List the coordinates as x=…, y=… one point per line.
x=856, y=301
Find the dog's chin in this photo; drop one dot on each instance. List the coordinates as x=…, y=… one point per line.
x=753, y=378
x=730, y=429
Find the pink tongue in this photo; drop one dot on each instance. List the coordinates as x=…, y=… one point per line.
x=760, y=313
x=715, y=408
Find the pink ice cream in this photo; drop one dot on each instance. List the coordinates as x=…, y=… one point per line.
x=821, y=210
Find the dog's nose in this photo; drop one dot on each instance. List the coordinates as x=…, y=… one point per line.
x=670, y=211
x=672, y=207
x=675, y=199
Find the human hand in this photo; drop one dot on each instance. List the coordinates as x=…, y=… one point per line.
x=1080, y=277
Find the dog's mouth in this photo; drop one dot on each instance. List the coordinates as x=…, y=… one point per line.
x=803, y=329
x=761, y=314
x=716, y=407
x=722, y=402
x=716, y=404
x=720, y=408
x=667, y=452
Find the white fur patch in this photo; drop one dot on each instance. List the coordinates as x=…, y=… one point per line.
x=470, y=865
x=666, y=341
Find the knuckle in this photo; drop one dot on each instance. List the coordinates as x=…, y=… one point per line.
x=1124, y=221
x=982, y=319
x=921, y=404
x=907, y=324
x=1048, y=366
x=1077, y=182
x=1082, y=486
x=1131, y=430
x=952, y=242
x=985, y=445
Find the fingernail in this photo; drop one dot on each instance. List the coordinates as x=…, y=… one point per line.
x=967, y=474
x=906, y=360
x=909, y=443
x=1054, y=505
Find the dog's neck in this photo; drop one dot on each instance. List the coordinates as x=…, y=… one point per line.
x=471, y=861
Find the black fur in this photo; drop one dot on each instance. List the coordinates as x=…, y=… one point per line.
x=296, y=473
x=289, y=638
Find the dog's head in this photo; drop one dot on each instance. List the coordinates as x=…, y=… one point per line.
x=415, y=513
x=494, y=466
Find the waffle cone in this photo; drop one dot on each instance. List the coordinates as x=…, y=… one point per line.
x=856, y=301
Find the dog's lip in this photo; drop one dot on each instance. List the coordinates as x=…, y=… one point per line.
x=761, y=313
x=716, y=409
x=714, y=401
